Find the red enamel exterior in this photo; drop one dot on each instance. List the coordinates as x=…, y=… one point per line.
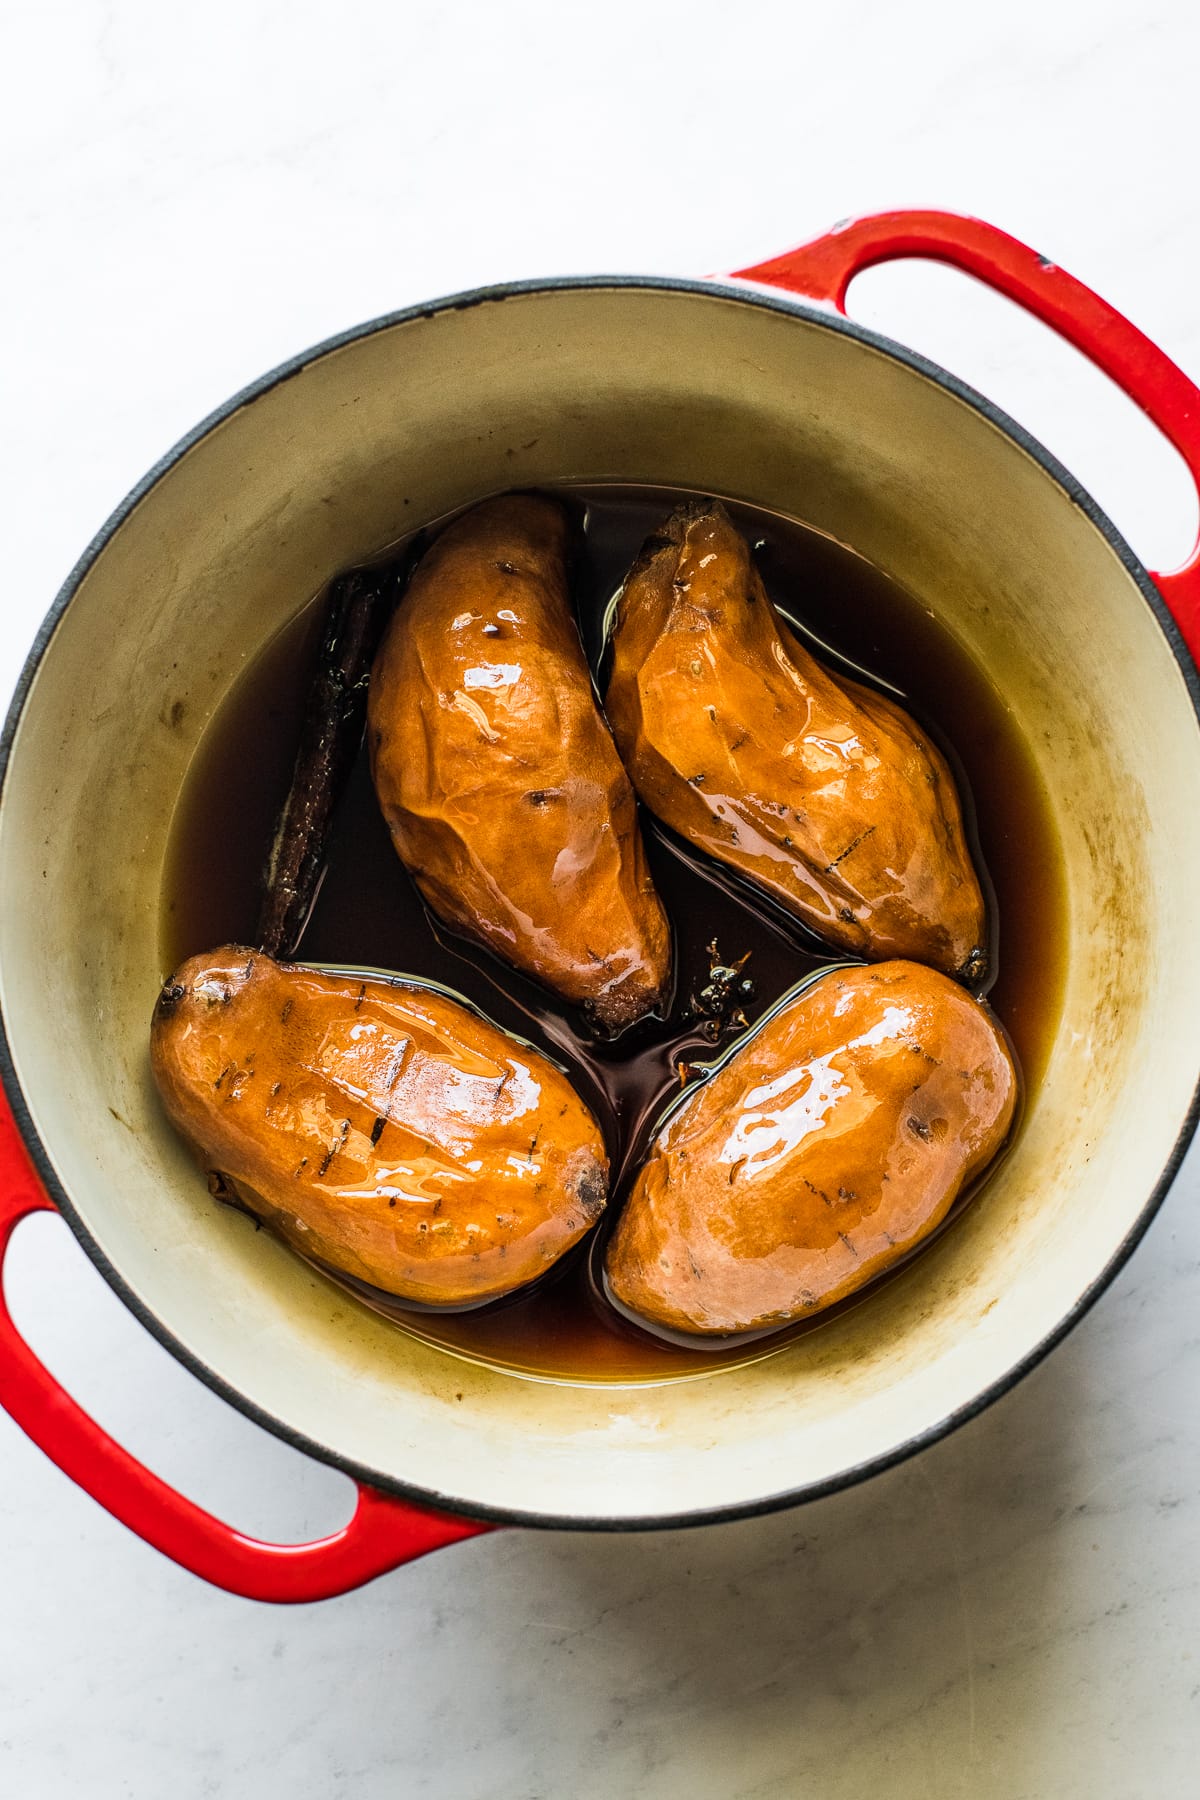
x=386, y=1532
x=824, y=269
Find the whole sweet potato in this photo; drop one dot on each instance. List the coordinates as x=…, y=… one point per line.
x=500, y=784
x=822, y=1151
x=818, y=790
x=382, y=1129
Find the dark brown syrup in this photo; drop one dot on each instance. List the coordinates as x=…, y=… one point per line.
x=369, y=916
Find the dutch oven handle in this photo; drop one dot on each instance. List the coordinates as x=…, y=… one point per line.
x=383, y=1533
x=823, y=270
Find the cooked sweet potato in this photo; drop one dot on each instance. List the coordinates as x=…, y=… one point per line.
x=381, y=1129
x=500, y=784
x=831, y=1141
x=817, y=789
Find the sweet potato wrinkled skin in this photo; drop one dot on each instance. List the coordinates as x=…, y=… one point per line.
x=383, y=1130
x=816, y=789
x=828, y=1145
x=496, y=773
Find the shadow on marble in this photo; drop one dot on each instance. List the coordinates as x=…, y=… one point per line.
x=806, y=1653
x=1009, y=1616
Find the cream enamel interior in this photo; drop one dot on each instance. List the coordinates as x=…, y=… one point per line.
x=696, y=389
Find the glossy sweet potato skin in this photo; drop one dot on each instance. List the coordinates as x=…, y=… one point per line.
x=496, y=773
x=383, y=1130
x=814, y=788
x=829, y=1144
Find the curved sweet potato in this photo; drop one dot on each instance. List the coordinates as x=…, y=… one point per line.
x=818, y=790
x=500, y=784
x=822, y=1151
x=383, y=1130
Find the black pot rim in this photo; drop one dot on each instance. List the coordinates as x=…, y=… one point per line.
x=774, y=300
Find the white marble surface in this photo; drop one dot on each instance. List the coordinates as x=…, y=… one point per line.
x=193, y=194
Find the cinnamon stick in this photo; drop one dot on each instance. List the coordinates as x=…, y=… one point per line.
x=358, y=607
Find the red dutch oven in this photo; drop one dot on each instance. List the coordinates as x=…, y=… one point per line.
x=758, y=388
